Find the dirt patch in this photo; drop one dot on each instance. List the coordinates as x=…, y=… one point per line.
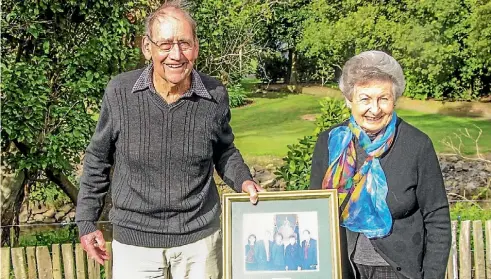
x=309, y=117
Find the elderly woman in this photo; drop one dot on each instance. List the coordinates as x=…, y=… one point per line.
x=393, y=206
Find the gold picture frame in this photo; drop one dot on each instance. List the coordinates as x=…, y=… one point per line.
x=305, y=224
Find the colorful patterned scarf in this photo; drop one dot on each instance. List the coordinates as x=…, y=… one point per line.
x=366, y=210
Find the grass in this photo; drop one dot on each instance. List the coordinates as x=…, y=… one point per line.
x=438, y=126
x=265, y=128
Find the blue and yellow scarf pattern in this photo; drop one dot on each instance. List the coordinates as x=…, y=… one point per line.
x=366, y=211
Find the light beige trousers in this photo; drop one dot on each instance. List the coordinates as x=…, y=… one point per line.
x=199, y=260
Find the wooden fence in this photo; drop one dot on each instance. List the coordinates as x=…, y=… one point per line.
x=470, y=257
x=39, y=263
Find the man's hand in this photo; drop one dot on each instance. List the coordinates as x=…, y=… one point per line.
x=95, y=246
x=252, y=188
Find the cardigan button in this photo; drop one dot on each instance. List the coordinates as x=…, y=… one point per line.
x=398, y=268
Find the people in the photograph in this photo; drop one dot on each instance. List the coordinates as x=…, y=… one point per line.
x=250, y=253
x=309, y=251
x=264, y=249
x=293, y=259
x=162, y=130
x=393, y=203
x=286, y=227
x=278, y=253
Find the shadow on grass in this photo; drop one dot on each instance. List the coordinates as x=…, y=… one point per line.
x=270, y=95
x=462, y=110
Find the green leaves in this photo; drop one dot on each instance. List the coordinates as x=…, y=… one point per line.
x=443, y=46
x=297, y=164
x=57, y=57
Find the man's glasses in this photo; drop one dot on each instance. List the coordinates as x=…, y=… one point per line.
x=167, y=46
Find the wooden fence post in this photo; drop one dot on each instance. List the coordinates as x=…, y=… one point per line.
x=80, y=261
x=31, y=262
x=465, y=264
x=488, y=248
x=56, y=258
x=108, y=265
x=5, y=270
x=68, y=261
x=477, y=235
x=19, y=263
x=452, y=266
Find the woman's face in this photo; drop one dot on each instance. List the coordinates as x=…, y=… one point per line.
x=279, y=239
x=252, y=239
x=372, y=105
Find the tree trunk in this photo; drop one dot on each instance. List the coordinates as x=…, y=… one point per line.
x=12, y=194
x=293, y=69
x=62, y=181
x=289, y=65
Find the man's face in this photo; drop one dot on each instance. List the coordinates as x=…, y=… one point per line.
x=173, y=66
x=292, y=240
x=306, y=235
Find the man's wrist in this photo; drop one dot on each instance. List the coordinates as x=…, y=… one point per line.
x=86, y=227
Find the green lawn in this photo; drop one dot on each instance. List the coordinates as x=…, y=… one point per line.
x=440, y=126
x=267, y=126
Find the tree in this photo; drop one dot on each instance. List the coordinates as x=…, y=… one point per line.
x=284, y=29
x=228, y=33
x=440, y=44
x=57, y=57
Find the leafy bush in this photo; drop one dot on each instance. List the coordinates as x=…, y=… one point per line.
x=469, y=211
x=237, y=96
x=297, y=164
x=333, y=111
x=67, y=234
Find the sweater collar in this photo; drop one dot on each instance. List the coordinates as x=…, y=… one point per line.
x=144, y=82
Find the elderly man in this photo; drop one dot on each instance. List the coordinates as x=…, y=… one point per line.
x=164, y=129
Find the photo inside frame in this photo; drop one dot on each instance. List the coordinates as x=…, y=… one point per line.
x=281, y=241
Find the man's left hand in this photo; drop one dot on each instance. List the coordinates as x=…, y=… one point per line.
x=252, y=188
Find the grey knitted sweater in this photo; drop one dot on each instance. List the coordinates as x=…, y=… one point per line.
x=163, y=157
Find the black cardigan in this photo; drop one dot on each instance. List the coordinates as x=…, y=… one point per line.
x=419, y=244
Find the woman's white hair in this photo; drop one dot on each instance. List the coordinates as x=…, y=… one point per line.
x=369, y=66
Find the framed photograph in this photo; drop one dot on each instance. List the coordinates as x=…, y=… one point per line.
x=287, y=235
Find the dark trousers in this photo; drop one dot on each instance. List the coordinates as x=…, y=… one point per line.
x=375, y=272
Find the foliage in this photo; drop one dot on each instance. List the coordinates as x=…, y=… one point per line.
x=237, y=95
x=333, y=111
x=227, y=32
x=282, y=32
x=440, y=44
x=298, y=162
x=66, y=234
x=47, y=193
x=57, y=57
x=469, y=211
x=273, y=67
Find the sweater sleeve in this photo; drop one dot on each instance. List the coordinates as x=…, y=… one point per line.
x=320, y=161
x=433, y=203
x=94, y=182
x=227, y=158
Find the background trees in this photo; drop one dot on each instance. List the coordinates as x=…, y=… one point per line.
x=57, y=57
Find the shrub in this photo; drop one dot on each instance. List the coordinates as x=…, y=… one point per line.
x=298, y=161
x=469, y=211
x=237, y=96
